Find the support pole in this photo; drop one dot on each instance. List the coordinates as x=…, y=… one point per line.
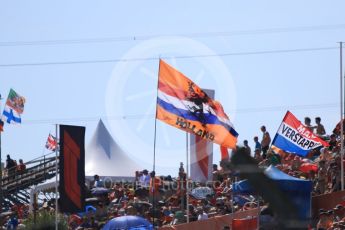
x=154, y=153
x=341, y=118
x=56, y=182
x=1, y=192
x=187, y=178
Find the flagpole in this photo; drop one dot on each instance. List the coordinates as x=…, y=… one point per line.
x=341, y=118
x=187, y=178
x=1, y=194
x=277, y=131
x=155, y=130
x=56, y=181
x=154, y=152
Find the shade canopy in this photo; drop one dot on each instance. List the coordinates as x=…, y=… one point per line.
x=105, y=157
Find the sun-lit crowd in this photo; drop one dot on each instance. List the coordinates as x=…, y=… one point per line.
x=162, y=199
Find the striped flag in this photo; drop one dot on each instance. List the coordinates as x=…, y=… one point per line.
x=184, y=105
x=14, y=107
x=294, y=137
x=51, y=143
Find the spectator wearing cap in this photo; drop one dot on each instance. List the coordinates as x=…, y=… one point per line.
x=320, y=130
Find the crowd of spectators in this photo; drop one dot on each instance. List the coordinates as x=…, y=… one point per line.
x=162, y=200
x=333, y=219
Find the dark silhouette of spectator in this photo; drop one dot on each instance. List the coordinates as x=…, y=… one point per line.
x=21, y=167
x=247, y=148
x=320, y=130
x=307, y=123
x=257, y=143
x=265, y=142
x=11, y=167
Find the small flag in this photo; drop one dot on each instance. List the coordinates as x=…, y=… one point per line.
x=184, y=105
x=294, y=137
x=14, y=107
x=51, y=143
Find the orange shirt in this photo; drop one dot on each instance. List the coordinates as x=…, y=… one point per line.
x=155, y=186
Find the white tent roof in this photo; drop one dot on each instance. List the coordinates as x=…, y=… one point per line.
x=104, y=156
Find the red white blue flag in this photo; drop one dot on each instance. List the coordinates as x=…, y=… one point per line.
x=184, y=105
x=51, y=143
x=294, y=137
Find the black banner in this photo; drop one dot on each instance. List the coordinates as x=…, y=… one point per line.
x=72, y=169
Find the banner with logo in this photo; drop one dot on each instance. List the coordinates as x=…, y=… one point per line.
x=72, y=169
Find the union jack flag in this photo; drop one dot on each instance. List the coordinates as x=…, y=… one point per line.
x=51, y=143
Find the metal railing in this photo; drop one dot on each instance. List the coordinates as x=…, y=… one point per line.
x=16, y=181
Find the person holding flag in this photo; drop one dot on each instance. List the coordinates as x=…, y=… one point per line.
x=294, y=137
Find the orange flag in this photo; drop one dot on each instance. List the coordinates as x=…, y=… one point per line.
x=184, y=105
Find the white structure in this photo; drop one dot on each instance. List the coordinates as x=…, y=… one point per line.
x=48, y=187
x=105, y=158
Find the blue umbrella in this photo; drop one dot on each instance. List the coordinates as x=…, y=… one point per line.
x=201, y=193
x=128, y=223
x=99, y=191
